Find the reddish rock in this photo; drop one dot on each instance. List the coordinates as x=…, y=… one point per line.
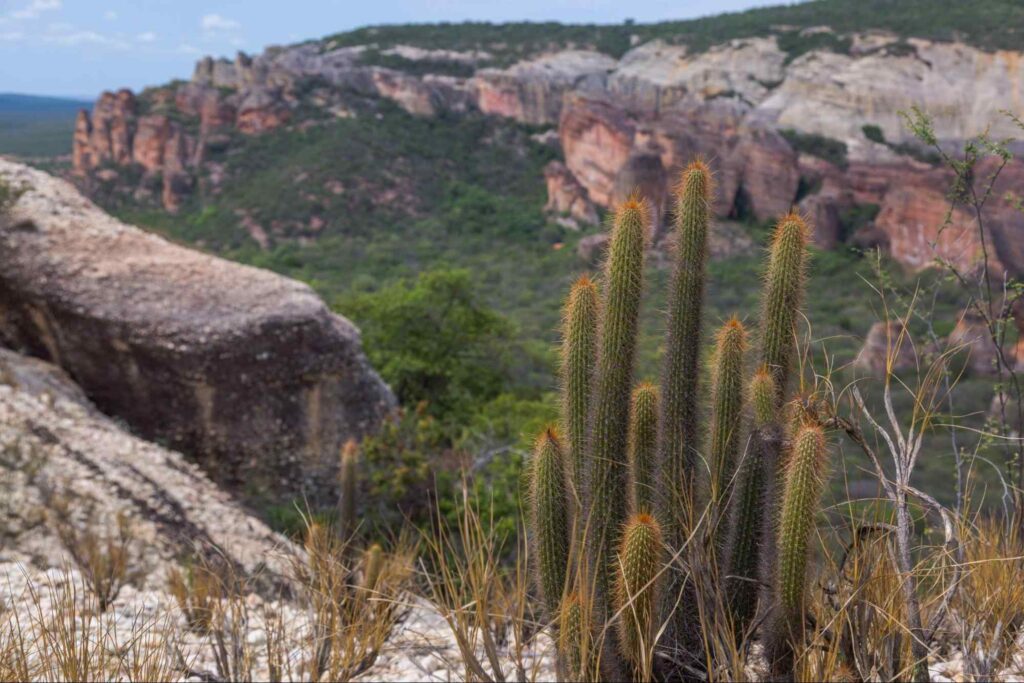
x=151, y=142
x=566, y=196
x=82, y=159
x=261, y=110
x=408, y=92
x=822, y=213
x=644, y=174
x=768, y=169
x=109, y=131
x=596, y=140
x=913, y=218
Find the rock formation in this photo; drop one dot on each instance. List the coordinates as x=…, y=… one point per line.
x=729, y=103
x=62, y=452
x=245, y=370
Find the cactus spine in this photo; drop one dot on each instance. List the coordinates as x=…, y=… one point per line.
x=550, y=518
x=348, y=481
x=804, y=484
x=636, y=589
x=579, y=348
x=727, y=409
x=750, y=525
x=781, y=299
x=643, y=436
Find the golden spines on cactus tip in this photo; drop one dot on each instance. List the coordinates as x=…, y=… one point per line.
x=579, y=352
x=549, y=518
x=640, y=564
x=607, y=482
x=643, y=438
x=782, y=297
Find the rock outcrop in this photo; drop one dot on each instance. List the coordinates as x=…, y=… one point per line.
x=61, y=453
x=245, y=370
x=730, y=103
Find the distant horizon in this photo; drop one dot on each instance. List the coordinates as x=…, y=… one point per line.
x=67, y=50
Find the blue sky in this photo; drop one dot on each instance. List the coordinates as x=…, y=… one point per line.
x=80, y=47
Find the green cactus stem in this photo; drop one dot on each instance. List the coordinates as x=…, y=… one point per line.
x=608, y=476
x=549, y=521
x=348, y=481
x=781, y=299
x=727, y=411
x=640, y=562
x=373, y=563
x=643, y=437
x=579, y=350
x=570, y=638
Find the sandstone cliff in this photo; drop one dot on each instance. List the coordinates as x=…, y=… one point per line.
x=244, y=370
x=618, y=118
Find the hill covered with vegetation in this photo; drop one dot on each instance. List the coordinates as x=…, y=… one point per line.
x=34, y=126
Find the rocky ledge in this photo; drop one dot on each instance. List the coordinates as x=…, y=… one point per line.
x=246, y=371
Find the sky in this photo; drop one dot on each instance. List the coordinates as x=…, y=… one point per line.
x=78, y=48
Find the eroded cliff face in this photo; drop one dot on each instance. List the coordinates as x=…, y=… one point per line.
x=247, y=371
x=730, y=103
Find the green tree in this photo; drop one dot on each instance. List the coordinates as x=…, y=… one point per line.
x=433, y=340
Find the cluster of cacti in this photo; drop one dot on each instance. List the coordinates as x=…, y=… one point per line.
x=613, y=506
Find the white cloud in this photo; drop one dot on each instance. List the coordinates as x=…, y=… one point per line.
x=146, y=37
x=35, y=8
x=68, y=35
x=110, y=15
x=12, y=37
x=215, y=22
x=187, y=49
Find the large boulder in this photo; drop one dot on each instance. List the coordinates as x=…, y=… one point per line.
x=247, y=371
x=67, y=465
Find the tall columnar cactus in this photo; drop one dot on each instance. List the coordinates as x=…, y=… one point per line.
x=726, y=411
x=679, y=436
x=549, y=518
x=804, y=485
x=781, y=299
x=643, y=437
x=579, y=350
x=640, y=565
x=752, y=521
x=348, y=481
x=608, y=478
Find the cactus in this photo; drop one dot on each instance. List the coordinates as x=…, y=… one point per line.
x=781, y=299
x=804, y=484
x=678, y=433
x=608, y=477
x=727, y=408
x=640, y=562
x=750, y=525
x=621, y=443
x=373, y=562
x=643, y=435
x=679, y=436
x=570, y=638
x=348, y=482
x=549, y=517
x=579, y=347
